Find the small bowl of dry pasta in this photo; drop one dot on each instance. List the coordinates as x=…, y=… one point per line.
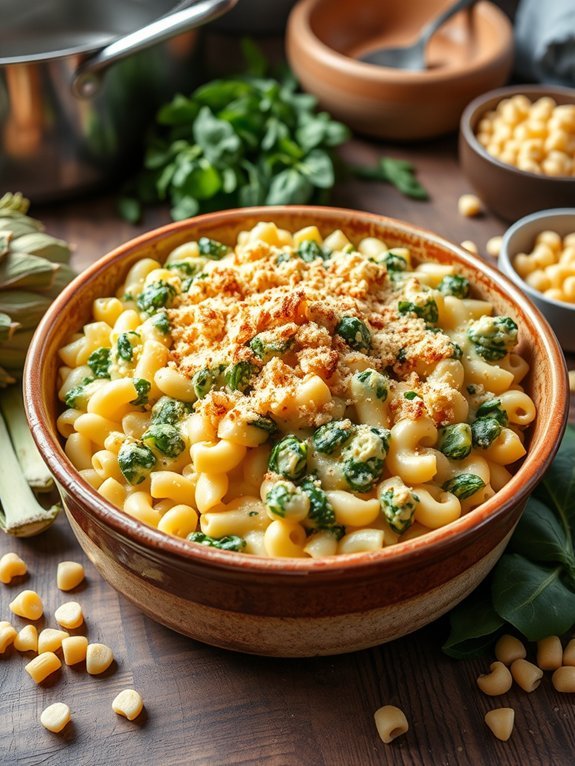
x=294, y=431
x=538, y=254
x=517, y=148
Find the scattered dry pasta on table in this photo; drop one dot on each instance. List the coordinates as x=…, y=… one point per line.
x=294, y=396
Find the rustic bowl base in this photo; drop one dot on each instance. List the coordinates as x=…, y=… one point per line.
x=287, y=636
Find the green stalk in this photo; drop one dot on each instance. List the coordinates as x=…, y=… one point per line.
x=33, y=467
x=21, y=514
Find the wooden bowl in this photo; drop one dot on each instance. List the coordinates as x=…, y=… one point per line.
x=293, y=607
x=467, y=56
x=507, y=191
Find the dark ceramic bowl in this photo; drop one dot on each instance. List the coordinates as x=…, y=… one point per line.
x=507, y=191
x=293, y=607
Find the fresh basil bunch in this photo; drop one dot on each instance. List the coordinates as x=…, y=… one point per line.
x=246, y=140
x=532, y=587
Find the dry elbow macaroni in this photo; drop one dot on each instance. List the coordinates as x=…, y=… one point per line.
x=293, y=395
x=550, y=266
x=537, y=137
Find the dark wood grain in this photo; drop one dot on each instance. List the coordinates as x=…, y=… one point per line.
x=207, y=707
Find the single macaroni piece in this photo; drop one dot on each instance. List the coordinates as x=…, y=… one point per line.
x=569, y=653
x=27, y=604
x=69, y=615
x=8, y=635
x=55, y=717
x=470, y=246
x=572, y=381
x=501, y=721
x=538, y=137
x=469, y=205
x=69, y=575
x=508, y=649
x=11, y=566
x=42, y=666
x=294, y=395
x=27, y=639
x=493, y=246
x=99, y=657
x=390, y=722
x=549, y=653
x=563, y=679
x=50, y=640
x=526, y=675
x=128, y=703
x=549, y=267
x=498, y=681
x=74, y=649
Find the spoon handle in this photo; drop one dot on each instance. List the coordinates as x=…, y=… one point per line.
x=431, y=28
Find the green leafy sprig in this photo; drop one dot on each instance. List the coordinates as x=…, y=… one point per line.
x=398, y=173
x=532, y=587
x=236, y=142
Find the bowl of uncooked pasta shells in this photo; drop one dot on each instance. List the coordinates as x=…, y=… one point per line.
x=294, y=431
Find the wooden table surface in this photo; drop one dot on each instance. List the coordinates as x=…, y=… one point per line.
x=207, y=707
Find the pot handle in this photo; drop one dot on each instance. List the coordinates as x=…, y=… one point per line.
x=87, y=78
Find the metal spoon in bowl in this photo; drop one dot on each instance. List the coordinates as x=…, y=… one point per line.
x=412, y=57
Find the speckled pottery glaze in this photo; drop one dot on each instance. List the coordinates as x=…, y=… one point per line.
x=294, y=607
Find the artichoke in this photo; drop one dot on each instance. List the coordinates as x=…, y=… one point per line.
x=33, y=269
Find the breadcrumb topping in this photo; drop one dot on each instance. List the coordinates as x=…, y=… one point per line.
x=260, y=288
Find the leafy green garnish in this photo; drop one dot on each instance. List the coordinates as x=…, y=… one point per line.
x=99, y=362
x=532, y=587
x=135, y=461
x=354, y=332
x=398, y=173
x=125, y=345
x=227, y=543
x=427, y=311
x=143, y=389
x=309, y=251
x=235, y=142
x=454, y=284
x=211, y=248
x=156, y=296
x=464, y=485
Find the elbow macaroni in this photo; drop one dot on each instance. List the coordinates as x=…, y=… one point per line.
x=294, y=396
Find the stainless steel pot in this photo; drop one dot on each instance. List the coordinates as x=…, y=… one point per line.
x=80, y=80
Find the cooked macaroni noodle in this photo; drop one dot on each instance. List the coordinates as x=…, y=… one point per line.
x=294, y=396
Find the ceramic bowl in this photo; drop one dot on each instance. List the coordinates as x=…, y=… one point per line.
x=520, y=238
x=293, y=607
x=507, y=191
x=466, y=57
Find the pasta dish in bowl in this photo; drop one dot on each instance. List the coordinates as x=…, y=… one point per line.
x=339, y=396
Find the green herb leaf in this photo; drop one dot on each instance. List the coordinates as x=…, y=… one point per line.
x=398, y=173
x=472, y=627
x=540, y=537
x=289, y=188
x=130, y=209
x=532, y=587
x=534, y=599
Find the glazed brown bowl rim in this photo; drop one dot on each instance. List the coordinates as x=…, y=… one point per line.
x=299, y=26
x=430, y=545
x=478, y=105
